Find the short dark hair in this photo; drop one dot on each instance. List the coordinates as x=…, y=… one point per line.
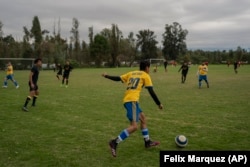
x=36, y=60
x=144, y=64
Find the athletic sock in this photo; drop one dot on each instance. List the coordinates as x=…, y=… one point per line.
x=123, y=135
x=145, y=134
x=27, y=101
x=34, y=100
x=15, y=82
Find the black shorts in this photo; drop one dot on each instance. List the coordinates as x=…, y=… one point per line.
x=59, y=73
x=66, y=76
x=184, y=73
x=35, y=88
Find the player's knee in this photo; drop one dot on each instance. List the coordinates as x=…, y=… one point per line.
x=134, y=126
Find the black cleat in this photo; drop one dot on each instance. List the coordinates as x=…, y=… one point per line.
x=113, y=145
x=150, y=143
x=25, y=109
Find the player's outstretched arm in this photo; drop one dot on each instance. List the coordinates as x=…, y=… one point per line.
x=114, y=78
x=154, y=96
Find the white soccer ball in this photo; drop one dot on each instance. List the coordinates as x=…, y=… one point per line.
x=181, y=141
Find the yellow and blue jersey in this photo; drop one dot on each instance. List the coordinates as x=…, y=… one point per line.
x=135, y=80
x=9, y=70
x=203, y=70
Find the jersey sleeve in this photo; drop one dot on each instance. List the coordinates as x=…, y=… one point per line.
x=147, y=81
x=125, y=77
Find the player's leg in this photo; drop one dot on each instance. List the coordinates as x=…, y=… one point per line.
x=35, y=96
x=14, y=81
x=30, y=96
x=200, y=79
x=32, y=93
x=5, y=83
x=57, y=76
x=133, y=117
x=145, y=132
x=235, y=70
x=205, y=78
x=63, y=79
x=184, y=77
x=67, y=80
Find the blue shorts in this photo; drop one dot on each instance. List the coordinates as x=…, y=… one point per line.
x=202, y=77
x=10, y=76
x=133, y=111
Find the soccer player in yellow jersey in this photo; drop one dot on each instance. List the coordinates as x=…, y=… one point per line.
x=10, y=76
x=202, y=74
x=135, y=81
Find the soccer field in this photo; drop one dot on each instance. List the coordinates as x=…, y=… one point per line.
x=72, y=126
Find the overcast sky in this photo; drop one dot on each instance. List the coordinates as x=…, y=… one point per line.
x=220, y=24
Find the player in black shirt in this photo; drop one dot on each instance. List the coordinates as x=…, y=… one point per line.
x=184, y=72
x=59, y=67
x=165, y=65
x=67, y=69
x=236, y=64
x=33, y=78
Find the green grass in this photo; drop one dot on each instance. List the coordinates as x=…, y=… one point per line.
x=72, y=126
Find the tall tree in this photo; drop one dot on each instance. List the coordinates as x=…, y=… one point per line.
x=27, y=51
x=75, y=38
x=91, y=35
x=36, y=33
x=146, y=41
x=239, y=54
x=1, y=30
x=129, y=48
x=174, y=41
x=85, y=53
x=115, y=39
x=99, y=49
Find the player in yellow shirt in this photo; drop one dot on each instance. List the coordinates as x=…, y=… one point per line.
x=202, y=74
x=9, y=76
x=135, y=81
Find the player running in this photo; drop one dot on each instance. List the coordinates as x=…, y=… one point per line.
x=202, y=74
x=236, y=65
x=67, y=69
x=59, y=73
x=33, y=78
x=10, y=76
x=184, y=72
x=135, y=80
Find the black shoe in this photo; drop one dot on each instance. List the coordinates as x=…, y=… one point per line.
x=113, y=145
x=25, y=109
x=150, y=143
x=33, y=105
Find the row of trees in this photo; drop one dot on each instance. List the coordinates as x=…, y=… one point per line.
x=108, y=46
